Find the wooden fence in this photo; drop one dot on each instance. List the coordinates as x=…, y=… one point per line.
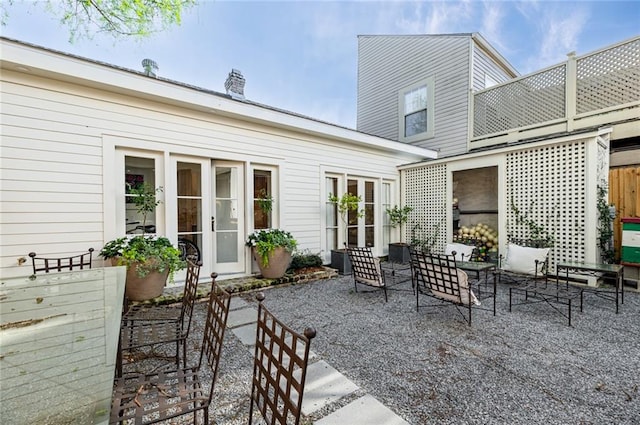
x=624, y=193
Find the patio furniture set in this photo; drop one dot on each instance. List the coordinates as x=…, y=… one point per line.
x=279, y=368
x=524, y=269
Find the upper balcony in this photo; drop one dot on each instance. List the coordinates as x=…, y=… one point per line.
x=594, y=90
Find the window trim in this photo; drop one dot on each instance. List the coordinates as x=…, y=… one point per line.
x=429, y=83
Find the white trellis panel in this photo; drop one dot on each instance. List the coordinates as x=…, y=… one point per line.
x=426, y=193
x=549, y=185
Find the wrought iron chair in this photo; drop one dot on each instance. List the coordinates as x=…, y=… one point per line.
x=73, y=262
x=279, y=369
x=155, y=397
x=366, y=269
x=136, y=333
x=436, y=276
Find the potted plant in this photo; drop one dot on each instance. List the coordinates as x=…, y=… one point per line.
x=398, y=251
x=150, y=259
x=347, y=202
x=272, y=248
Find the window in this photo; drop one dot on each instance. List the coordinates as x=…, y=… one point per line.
x=489, y=81
x=386, y=225
x=331, y=215
x=262, y=199
x=139, y=171
x=416, y=111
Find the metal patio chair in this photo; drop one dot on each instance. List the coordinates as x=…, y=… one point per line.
x=141, y=331
x=73, y=262
x=279, y=369
x=154, y=397
x=366, y=269
x=436, y=276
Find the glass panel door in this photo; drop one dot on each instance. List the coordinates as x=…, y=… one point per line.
x=228, y=220
x=189, y=214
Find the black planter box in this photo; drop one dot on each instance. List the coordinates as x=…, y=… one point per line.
x=399, y=253
x=340, y=261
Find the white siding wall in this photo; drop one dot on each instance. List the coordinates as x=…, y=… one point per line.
x=484, y=64
x=53, y=157
x=386, y=64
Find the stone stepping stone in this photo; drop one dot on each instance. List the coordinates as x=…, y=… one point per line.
x=242, y=317
x=365, y=410
x=323, y=386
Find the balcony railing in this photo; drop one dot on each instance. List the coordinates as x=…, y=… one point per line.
x=593, y=90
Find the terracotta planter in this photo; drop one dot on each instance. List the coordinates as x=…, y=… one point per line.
x=145, y=288
x=279, y=261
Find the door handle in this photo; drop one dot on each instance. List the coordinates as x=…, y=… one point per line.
x=213, y=224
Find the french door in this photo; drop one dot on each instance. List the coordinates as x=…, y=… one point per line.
x=227, y=220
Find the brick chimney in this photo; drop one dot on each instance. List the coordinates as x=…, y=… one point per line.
x=235, y=84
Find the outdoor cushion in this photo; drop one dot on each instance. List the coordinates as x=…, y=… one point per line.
x=522, y=259
x=373, y=282
x=463, y=252
x=463, y=282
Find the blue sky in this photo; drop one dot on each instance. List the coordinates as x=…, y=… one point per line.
x=302, y=55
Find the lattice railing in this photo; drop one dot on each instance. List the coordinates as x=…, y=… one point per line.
x=608, y=78
x=426, y=193
x=548, y=186
x=602, y=81
x=521, y=103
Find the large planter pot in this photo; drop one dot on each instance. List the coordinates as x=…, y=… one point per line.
x=144, y=288
x=279, y=260
x=340, y=261
x=399, y=253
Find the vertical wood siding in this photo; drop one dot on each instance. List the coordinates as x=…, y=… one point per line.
x=624, y=193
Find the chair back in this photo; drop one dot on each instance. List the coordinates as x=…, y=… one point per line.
x=365, y=268
x=279, y=369
x=190, y=295
x=215, y=325
x=74, y=262
x=436, y=273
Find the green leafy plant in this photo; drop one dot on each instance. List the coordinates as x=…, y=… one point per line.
x=345, y=203
x=301, y=260
x=398, y=215
x=538, y=233
x=605, y=227
x=265, y=241
x=149, y=252
x=265, y=201
x=425, y=239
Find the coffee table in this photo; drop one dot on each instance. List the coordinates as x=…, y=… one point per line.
x=592, y=269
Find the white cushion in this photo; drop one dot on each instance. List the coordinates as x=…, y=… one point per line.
x=522, y=259
x=463, y=252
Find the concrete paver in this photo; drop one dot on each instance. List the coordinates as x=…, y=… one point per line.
x=365, y=410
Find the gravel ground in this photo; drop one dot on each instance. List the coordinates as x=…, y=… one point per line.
x=430, y=367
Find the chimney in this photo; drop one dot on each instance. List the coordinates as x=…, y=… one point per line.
x=150, y=67
x=235, y=84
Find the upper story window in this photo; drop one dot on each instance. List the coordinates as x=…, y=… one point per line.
x=416, y=111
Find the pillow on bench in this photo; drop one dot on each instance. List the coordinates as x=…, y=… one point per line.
x=463, y=252
x=522, y=259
